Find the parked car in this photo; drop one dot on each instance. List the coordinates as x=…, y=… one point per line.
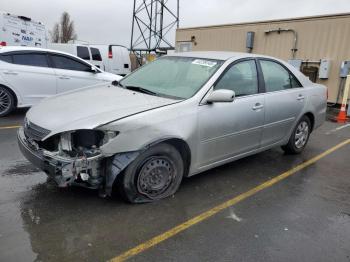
x=83, y=51
x=19, y=30
x=114, y=59
x=175, y=117
x=29, y=74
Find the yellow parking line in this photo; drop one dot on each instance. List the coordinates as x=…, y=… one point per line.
x=9, y=127
x=207, y=214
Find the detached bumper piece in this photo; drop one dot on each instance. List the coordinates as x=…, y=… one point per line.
x=81, y=171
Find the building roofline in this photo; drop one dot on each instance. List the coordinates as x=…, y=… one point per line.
x=316, y=17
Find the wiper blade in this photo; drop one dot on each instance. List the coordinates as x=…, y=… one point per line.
x=141, y=89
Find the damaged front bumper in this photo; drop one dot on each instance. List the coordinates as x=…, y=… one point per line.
x=66, y=171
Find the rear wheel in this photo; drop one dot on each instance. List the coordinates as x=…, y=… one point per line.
x=299, y=137
x=7, y=101
x=153, y=175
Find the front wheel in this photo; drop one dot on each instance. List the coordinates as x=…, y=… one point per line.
x=153, y=175
x=299, y=137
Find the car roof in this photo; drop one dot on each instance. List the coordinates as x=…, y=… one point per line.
x=4, y=49
x=224, y=56
x=218, y=55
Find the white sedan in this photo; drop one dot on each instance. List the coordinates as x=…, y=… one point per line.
x=27, y=75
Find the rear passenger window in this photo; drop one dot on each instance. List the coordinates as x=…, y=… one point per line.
x=95, y=53
x=6, y=58
x=30, y=59
x=241, y=78
x=83, y=52
x=67, y=63
x=276, y=77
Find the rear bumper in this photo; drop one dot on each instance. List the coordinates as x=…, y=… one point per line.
x=65, y=171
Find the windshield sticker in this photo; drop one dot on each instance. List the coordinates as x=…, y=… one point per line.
x=204, y=62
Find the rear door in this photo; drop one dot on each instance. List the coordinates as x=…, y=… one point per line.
x=72, y=73
x=119, y=60
x=284, y=101
x=29, y=73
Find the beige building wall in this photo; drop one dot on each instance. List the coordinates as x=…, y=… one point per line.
x=319, y=37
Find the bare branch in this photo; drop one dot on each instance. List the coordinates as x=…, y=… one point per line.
x=63, y=31
x=55, y=33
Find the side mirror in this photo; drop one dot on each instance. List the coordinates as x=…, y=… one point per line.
x=221, y=95
x=94, y=70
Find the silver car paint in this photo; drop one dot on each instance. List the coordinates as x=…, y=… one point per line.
x=197, y=123
x=215, y=133
x=91, y=107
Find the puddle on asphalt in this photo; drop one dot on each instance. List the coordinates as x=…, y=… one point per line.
x=21, y=169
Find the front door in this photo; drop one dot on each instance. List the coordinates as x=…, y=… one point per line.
x=230, y=129
x=72, y=74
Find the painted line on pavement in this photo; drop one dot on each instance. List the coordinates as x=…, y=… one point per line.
x=9, y=127
x=211, y=212
x=337, y=129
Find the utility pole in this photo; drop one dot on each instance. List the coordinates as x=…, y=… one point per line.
x=152, y=21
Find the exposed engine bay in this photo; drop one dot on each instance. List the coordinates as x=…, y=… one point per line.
x=72, y=158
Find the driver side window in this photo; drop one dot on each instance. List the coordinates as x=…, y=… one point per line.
x=241, y=78
x=63, y=62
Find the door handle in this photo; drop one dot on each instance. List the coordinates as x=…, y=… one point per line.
x=257, y=106
x=10, y=73
x=300, y=97
x=64, y=77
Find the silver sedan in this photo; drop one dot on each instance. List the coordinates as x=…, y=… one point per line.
x=175, y=117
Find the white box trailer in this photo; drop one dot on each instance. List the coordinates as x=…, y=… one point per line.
x=114, y=59
x=21, y=31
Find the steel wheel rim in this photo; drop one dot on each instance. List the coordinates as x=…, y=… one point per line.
x=156, y=177
x=301, y=134
x=5, y=101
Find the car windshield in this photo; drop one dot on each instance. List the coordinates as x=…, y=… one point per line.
x=176, y=77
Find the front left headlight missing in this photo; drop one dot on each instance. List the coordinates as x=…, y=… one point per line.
x=81, y=142
x=87, y=138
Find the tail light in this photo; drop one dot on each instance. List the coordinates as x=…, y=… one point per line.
x=110, y=54
x=3, y=43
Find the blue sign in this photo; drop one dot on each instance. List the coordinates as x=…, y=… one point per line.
x=27, y=38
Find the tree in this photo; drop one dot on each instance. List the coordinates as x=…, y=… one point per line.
x=63, y=31
x=55, y=33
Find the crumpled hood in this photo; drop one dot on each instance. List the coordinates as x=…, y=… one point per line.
x=91, y=107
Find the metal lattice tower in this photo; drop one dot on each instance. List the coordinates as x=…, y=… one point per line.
x=151, y=23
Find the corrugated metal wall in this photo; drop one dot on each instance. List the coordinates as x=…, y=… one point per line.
x=321, y=37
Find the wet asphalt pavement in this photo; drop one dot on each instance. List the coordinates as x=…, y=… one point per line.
x=305, y=217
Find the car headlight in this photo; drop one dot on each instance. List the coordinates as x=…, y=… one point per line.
x=87, y=138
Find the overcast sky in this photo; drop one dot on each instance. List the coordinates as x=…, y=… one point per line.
x=109, y=21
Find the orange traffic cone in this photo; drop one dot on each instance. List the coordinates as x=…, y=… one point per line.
x=341, y=118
